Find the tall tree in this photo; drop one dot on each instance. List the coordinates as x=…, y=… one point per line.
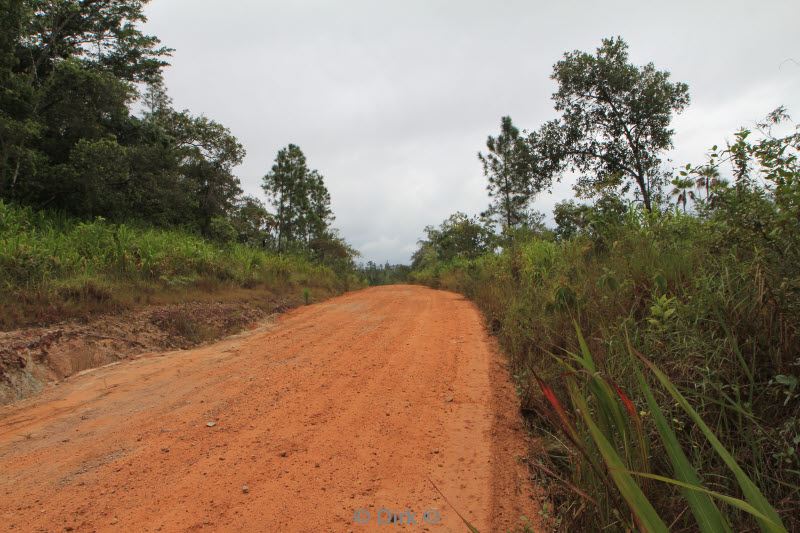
x=300, y=199
x=319, y=216
x=208, y=154
x=615, y=119
x=510, y=168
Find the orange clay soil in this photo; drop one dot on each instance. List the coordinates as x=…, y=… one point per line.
x=316, y=422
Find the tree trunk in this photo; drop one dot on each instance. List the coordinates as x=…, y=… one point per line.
x=642, y=183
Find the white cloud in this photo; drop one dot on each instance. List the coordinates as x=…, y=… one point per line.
x=391, y=101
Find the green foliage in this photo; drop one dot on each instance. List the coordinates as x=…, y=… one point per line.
x=614, y=123
x=300, y=199
x=71, y=75
x=458, y=237
x=710, y=292
x=43, y=251
x=513, y=176
x=715, y=315
x=711, y=296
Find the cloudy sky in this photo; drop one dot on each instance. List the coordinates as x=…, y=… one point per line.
x=392, y=100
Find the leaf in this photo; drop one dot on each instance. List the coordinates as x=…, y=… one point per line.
x=730, y=500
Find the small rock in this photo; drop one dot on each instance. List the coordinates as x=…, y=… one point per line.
x=284, y=454
x=448, y=398
x=165, y=450
x=211, y=424
x=436, y=450
x=245, y=489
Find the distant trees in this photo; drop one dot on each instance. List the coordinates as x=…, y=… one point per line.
x=386, y=274
x=458, y=237
x=682, y=190
x=300, y=198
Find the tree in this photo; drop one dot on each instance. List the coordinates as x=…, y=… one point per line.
x=707, y=179
x=300, y=198
x=615, y=119
x=682, y=190
x=571, y=218
x=68, y=73
x=597, y=221
x=510, y=167
x=208, y=153
x=319, y=215
x=457, y=237
x=103, y=35
x=252, y=221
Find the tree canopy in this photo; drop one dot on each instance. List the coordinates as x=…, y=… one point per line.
x=614, y=122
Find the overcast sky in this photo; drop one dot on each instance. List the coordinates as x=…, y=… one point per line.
x=391, y=101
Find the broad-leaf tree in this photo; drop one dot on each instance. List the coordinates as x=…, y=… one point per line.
x=615, y=120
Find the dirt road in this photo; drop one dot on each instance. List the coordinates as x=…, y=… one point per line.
x=332, y=415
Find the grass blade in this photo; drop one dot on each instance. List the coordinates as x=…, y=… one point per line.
x=734, y=502
x=470, y=527
x=646, y=516
x=749, y=489
x=709, y=519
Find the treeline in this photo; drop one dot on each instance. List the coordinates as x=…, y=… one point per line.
x=386, y=274
x=71, y=75
x=654, y=332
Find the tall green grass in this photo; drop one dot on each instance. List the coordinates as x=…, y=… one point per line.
x=47, y=257
x=718, y=315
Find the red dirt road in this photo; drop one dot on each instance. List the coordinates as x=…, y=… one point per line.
x=360, y=402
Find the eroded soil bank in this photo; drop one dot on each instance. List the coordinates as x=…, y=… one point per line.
x=31, y=358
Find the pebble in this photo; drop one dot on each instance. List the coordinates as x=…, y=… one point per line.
x=245, y=489
x=211, y=424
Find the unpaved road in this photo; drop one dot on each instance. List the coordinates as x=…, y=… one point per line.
x=362, y=402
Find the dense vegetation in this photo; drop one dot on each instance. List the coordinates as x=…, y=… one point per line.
x=653, y=332
x=56, y=266
x=133, y=188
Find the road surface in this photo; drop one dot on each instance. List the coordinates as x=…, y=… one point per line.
x=331, y=418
